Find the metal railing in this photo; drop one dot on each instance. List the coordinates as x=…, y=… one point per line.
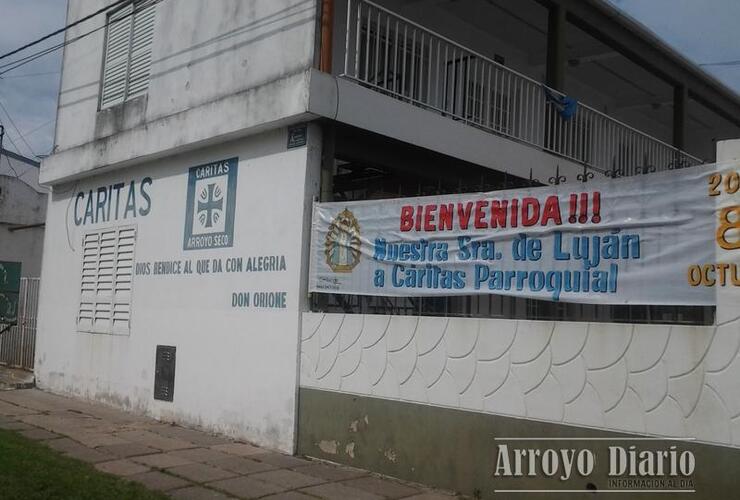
x=402, y=59
x=18, y=344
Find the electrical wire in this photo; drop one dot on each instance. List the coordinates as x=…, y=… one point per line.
x=721, y=63
x=25, y=60
x=67, y=218
x=11, y=167
x=17, y=149
x=29, y=75
x=17, y=130
x=30, y=132
x=10, y=66
x=65, y=28
x=36, y=129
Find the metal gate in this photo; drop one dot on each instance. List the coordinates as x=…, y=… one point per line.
x=18, y=345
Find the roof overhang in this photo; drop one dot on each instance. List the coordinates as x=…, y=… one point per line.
x=633, y=40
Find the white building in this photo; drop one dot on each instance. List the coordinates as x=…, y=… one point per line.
x=22, y=212
x=192, y=139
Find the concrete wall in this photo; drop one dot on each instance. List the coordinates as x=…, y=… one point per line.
x=218, y=68
x=21, y=205
x=456, y=450
x=669, y=381
x=673, y=381
x=236, y=366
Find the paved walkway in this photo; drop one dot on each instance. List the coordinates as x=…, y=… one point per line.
x=185, y=463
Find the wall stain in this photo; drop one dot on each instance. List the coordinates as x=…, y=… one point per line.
x=329, y=447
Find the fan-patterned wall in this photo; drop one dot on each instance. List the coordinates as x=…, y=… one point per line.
x=673, y=381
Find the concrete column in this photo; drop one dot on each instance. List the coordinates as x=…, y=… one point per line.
x=555, y=75
x=680, y=102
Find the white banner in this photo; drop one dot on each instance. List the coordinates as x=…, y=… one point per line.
x=647, y=239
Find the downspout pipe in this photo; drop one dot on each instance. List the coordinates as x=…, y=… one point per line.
x=327, y=35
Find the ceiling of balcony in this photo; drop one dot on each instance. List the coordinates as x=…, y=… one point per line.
x=596, y=74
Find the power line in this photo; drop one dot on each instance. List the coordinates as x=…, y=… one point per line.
x=62, y=30
x=17, y=130
x=35, y=129
x=10, y=66
x=10, y=165
x=31, y=132
x=721, y=63
x=27, y=59
x=17, y=149
x=28, y=75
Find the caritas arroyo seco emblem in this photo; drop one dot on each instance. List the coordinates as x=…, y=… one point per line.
x=210, y=205
x=342, y=245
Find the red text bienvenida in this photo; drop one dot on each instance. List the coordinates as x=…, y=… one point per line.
x=500, y=213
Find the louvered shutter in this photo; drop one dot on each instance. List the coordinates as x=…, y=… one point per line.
x=89, y=282
x=128, y=53
x=123, y=276
x=116, y=61
x=141, y=51
x=104, y=283
x=107, y=274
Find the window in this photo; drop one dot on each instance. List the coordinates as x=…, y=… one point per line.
x=128, y=53
x=105, y=287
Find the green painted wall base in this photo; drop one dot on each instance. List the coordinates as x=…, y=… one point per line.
x=458, y=450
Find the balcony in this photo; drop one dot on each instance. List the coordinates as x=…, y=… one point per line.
x=395, y=56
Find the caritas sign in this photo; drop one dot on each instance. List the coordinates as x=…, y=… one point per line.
x=648, y=239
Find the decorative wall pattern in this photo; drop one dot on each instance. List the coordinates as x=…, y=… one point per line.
x=675, y=381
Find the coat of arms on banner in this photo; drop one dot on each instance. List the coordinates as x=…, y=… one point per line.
x=342, y=246
x=211, y=200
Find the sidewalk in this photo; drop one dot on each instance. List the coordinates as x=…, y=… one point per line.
x=185, y=463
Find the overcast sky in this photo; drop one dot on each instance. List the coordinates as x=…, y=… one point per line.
x=705, y=31
x=30, y=100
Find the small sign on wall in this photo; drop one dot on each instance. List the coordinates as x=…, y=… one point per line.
x=209, y=210
x=297, y=136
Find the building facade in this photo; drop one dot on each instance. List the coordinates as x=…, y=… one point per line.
x=192, y=139
x=22, y=212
